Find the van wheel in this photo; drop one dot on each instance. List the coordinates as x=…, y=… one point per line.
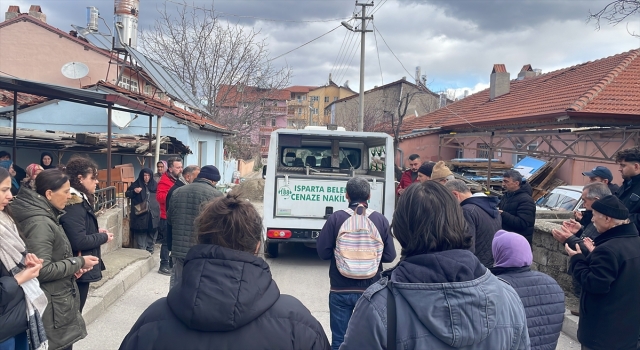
x=272, y=250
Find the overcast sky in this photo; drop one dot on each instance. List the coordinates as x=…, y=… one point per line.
x=455, y=42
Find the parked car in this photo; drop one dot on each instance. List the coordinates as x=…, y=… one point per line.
x=563, y=198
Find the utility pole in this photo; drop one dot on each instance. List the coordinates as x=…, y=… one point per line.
x=362, y=32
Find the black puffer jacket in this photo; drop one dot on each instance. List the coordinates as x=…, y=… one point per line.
x=609, y=312
x=543, y=301
x=179, y=183
x=226, y=300
x=186, y=204
x=519, y=211
x=13, y=306
x=81, y=227
x=629, y=195
x=483, y=221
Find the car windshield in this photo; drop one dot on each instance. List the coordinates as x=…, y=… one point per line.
x=319, y=157
x=560, y=199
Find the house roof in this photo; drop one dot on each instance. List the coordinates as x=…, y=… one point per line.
x=24, y=100
x=382, y=87
x=25, y=17
x=300, y=89
x=609, y=86
x=229, y=96
x=179, y=113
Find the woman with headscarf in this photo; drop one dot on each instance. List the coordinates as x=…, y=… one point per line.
x=542, y=297
x=144, y=223
x=80, y=222
x=15, y=186
x=46, y=161
x=37, y=214
x=20, y=293
x=439, y=296
x=32, y=172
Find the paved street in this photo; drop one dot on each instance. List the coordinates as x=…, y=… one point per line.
x=298, y=271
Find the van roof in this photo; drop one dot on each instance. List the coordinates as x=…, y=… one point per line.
x=337, y=133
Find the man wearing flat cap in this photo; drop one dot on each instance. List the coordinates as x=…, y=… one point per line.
x=186, y=203
x=609, y=276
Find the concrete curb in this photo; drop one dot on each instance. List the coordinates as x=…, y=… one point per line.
x=570, y=325
x=101, y=298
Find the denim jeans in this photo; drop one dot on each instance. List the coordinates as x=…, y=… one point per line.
x=341, y=307
x=162, y=238
x=19, y=342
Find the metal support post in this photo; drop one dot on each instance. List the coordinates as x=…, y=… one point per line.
x=158, y=133
x=15, y=125
x=151, y=143
x=109, y=116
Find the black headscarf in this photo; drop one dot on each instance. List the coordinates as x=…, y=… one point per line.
x=50, y=166
x=152, y=186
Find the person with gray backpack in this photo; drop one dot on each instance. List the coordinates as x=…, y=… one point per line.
x=357, y=241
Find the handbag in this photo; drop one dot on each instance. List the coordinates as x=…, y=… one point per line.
x=143, y=207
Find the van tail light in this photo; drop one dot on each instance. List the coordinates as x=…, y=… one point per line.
x=279, y=234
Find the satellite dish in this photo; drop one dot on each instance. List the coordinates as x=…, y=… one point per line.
x=75, y=70
x=121, y=119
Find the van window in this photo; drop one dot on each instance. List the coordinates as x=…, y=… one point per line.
x=319, y=157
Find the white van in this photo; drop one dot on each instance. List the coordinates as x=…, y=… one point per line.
x=305, y=179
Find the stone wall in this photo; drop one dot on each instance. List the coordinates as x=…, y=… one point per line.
x=112, y=220
x=548, y=254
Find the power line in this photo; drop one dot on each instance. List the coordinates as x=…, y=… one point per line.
x=394, y=55
x=226, y=14
x=342, y=51
x=375, y=9
x=378, y=53
x=308, y=42
x=347, y=51
x=347, y=62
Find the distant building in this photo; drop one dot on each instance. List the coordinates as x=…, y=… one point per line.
x=307, y=105
x=381, y=105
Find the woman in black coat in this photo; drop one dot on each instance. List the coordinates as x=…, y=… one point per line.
x=80, y=223
x=227, y=298
x=542, y=297
x=144, y=225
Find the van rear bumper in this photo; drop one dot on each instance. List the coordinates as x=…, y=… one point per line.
x=297, y=236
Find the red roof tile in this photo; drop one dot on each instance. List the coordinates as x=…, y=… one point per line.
x=24, y=100
x=610, y=85
x=163, y=105
x=231, y=96
x=301, y=89
x=499, y=68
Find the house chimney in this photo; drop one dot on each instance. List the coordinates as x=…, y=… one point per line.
x=12, y=12
x=499, y=81
x=36, y=12
x=526, y=72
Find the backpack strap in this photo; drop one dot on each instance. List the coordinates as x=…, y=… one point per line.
x=391, y=318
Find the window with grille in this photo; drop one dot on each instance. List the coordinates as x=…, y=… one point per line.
x=314, y=99
x=326, y=99
x=483, y=151
x=273, y=121
x=263, y=141
x=134, y=86
x=124, y=83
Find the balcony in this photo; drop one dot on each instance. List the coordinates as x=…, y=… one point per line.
x=298, y=103
x=274, y=110
x=264, y=151
x=269, y=129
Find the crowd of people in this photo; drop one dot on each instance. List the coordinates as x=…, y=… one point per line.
x=464, y=279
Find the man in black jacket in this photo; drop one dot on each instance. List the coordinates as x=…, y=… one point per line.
x=517, y=208
x=482, y=216
x=609, y=313
x=629, y=192
x=345, y=291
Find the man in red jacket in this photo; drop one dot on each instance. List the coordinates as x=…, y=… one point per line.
x=410, y=176
x=167, y=181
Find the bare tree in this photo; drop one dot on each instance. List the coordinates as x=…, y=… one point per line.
x=616, y=12
x=215, y=57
